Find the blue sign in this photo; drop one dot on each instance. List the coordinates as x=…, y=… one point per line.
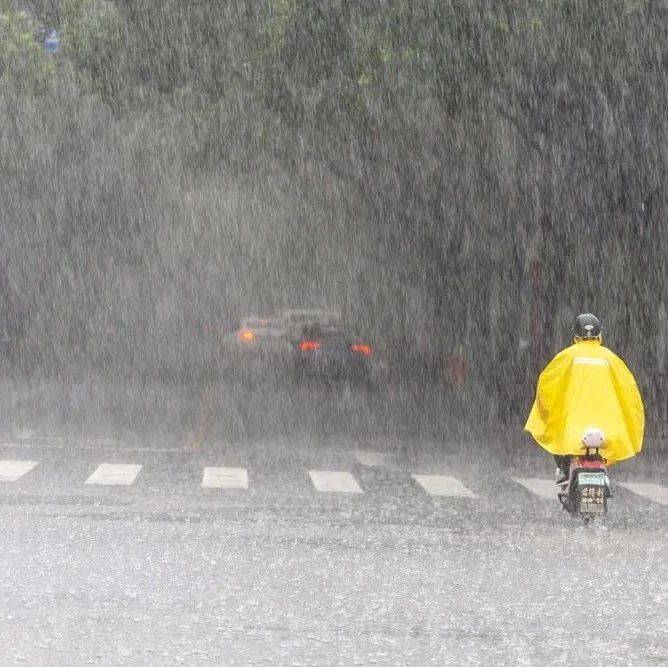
x=52, y=42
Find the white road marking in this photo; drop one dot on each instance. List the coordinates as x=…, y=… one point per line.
x=93, y=448
x=28, y=434
x=331, y=481
x=653, y=492
x=225, y=478
x=544, y=488
x=115, y=474
x=10, y=471
x=442, y=485
x=372, y=459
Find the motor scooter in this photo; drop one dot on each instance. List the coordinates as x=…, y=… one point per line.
x=586, y=491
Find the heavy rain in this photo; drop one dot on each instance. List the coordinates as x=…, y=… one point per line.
x=278, y=279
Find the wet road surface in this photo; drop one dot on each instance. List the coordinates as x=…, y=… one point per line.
x=122, y=554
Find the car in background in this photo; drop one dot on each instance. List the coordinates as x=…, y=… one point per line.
x=293, y=321
x=254, y=332
x=330, y=353
x=257, y=348
x=256, y=336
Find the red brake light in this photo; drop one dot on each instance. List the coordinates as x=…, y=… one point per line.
x=246, y=335
x=309, y=345
x=584, y=463
x=364, y=350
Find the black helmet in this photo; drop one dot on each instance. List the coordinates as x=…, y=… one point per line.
x=587, y=327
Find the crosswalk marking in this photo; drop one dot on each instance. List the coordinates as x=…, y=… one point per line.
x=324, y=481
x=654, y=492
x=225, y=478
x=115, y=474
x=332, y=481
x=10, y=471
x=442, y=485
x=544, y=488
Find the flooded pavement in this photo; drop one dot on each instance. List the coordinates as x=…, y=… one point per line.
x=171, y=557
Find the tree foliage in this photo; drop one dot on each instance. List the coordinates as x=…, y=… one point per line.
x=456, y=175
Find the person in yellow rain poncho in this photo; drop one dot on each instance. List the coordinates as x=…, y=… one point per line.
x=587, y=386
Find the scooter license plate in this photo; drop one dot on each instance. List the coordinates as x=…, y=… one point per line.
x=591, y=479
x=592, y=499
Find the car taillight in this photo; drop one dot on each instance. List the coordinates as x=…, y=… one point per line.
x=364, y=350
x=246, y=336
x=309, y=345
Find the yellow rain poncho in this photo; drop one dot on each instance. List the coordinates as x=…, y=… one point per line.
x=587, y=386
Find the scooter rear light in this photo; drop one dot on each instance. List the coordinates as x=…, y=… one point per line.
x=591, y=464
x=364, y=350
x=309, y=345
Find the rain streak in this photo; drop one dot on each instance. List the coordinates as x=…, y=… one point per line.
x=283, y=283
